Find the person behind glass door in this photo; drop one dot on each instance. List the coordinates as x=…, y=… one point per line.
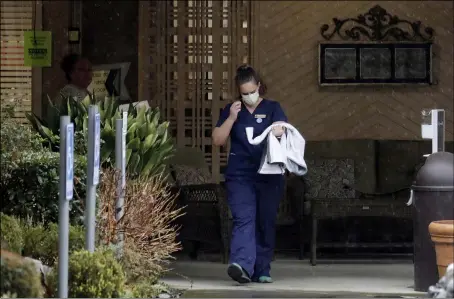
x=79, y=74
x=253, y=198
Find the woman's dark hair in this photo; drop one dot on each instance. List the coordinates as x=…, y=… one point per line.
x=246, y=73
x=68, y=63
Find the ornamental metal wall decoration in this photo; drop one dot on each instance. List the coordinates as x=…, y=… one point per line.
x=375, y=63
x=377, y=25
x=377, y=51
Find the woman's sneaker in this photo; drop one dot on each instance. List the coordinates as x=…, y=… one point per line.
x=265, y=279
x=237, y=273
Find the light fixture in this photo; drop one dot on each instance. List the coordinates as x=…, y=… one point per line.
x=73, y=35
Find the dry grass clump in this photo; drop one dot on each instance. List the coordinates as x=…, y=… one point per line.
x=148, y=223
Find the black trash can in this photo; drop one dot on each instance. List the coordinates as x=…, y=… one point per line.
x=433, y=200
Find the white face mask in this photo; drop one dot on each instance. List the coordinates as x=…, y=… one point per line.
x=251, y=99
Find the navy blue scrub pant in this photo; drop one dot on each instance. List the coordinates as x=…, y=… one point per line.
x=254, y=204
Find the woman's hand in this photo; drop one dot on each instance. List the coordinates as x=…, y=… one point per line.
x=222, y=133
x=234, y=109
x=278, y=131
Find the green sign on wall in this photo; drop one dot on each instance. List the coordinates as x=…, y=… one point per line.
x=38, y=48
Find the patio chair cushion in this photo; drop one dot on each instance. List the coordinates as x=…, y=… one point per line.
x=363, y=152
x=326, y=178
x=188, y=175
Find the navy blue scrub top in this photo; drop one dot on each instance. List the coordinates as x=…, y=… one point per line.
x=244, y=158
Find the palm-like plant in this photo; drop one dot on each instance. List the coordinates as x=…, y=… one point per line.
x=148, y=143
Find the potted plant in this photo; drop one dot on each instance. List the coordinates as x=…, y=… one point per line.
x=442, y=234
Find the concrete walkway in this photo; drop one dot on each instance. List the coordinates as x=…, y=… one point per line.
x=295, y=278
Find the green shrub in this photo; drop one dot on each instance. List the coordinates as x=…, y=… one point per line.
x=147, y=290
x=19, y=277
x=92, y=275
x=137, y=268
x=11, y=233
x=30, y=190
x=18, y=137
x=9, y=295
x=15, y=138
x=149, y=144
x=41, y=242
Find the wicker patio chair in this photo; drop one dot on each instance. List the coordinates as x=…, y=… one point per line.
x=205, y=221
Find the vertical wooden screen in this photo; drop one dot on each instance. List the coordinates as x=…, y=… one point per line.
x=16, y=79
x=188, y=59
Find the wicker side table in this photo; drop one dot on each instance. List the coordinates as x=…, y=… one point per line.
x=340, y=208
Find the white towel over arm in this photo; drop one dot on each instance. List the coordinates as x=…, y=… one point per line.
x=286, y=153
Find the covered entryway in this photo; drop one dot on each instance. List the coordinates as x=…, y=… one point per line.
x=189, y=51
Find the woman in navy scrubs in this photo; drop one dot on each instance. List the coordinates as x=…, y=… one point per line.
x=253, y=198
